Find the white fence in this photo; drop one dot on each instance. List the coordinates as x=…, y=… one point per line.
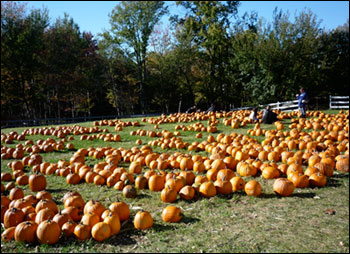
x=283, y=105
x=336, y=102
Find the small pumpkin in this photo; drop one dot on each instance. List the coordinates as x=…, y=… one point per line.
x=37, y=182
x=237, y=183
x=82, y=232
x=120, y=208
x=143, y=220
x=90, y=219
x=13, y=217
x=187, y=192
x=156, y=183
x=283, y=187
x=207, y=189
x=129, y=191
x=318, y=180
x=168, y=195
x=101, y=231
x=253, y=188
x=114, y=223
x=171, y=214
x=8, y=234
x=68, y=228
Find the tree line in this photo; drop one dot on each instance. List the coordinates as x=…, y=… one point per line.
x=209, y=55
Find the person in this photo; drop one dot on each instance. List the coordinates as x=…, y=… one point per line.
x=302, y=102
x=269, y=116
x=254, y=115
x=211, y=108
x=192, y=109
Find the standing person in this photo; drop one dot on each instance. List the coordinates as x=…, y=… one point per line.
x=302, y=102
x=211, y=108
x=254, y=115
x=269, y=116
x=192, y=109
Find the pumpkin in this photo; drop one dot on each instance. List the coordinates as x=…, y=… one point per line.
x=43, y=195
x=75, y=201
x=168, y=195
x=44, y=214
x=300, y=180
x=141, y=182
x=90, y=219
x=82, y=232
x=237, y=183
x=73, y=178
x=13, y=217
x=26, y=232
x=68, y=228
x=247, y=169
x=69, y=194
x=16, y=193
x=318, y=180
x=223, y=186
x=143, y=220
x=73, y=212
x=48, y=232
x=8, y=234
x=342, y=164
x=129, y=191
x=207, y=189
x=156, y=183
x=283, y=187
x=101, y=231
x=171, y=214
x=46, y=203
x=187, y=192
x=135, y=167
x=120, y=208
x=253, y=188
x=270, y=173
x=95, y=208
x=114, y=222
x=6, y=177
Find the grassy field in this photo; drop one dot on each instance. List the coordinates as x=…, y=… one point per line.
x=311, y=220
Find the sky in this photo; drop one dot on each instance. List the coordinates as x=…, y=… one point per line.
x=93, y=15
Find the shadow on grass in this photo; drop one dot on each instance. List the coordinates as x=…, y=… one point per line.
x=341, y=175
x=333, y=183
x=142, y=195
x=57, y=190
x=188, y=219
x=159, y=227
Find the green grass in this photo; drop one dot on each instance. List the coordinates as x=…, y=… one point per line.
x=233, y=223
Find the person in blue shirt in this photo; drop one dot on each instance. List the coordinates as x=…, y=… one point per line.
x=302, y=101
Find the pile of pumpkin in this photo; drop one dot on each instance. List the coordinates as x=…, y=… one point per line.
x=31, y=218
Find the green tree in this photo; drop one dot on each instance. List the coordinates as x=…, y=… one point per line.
x=132, y=23
x=209, y=22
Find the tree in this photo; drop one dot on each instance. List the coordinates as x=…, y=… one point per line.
x=132, y=23
x=208, y=22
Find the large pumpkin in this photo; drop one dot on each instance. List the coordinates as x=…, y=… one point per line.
x=48, y=232
x=26, y=232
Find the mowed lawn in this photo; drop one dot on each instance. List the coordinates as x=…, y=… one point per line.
x=311, y=220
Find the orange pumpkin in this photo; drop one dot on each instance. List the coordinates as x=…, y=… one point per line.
x=283, y=187
x=171, y=214
x=253, y=188
x=143, y=220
